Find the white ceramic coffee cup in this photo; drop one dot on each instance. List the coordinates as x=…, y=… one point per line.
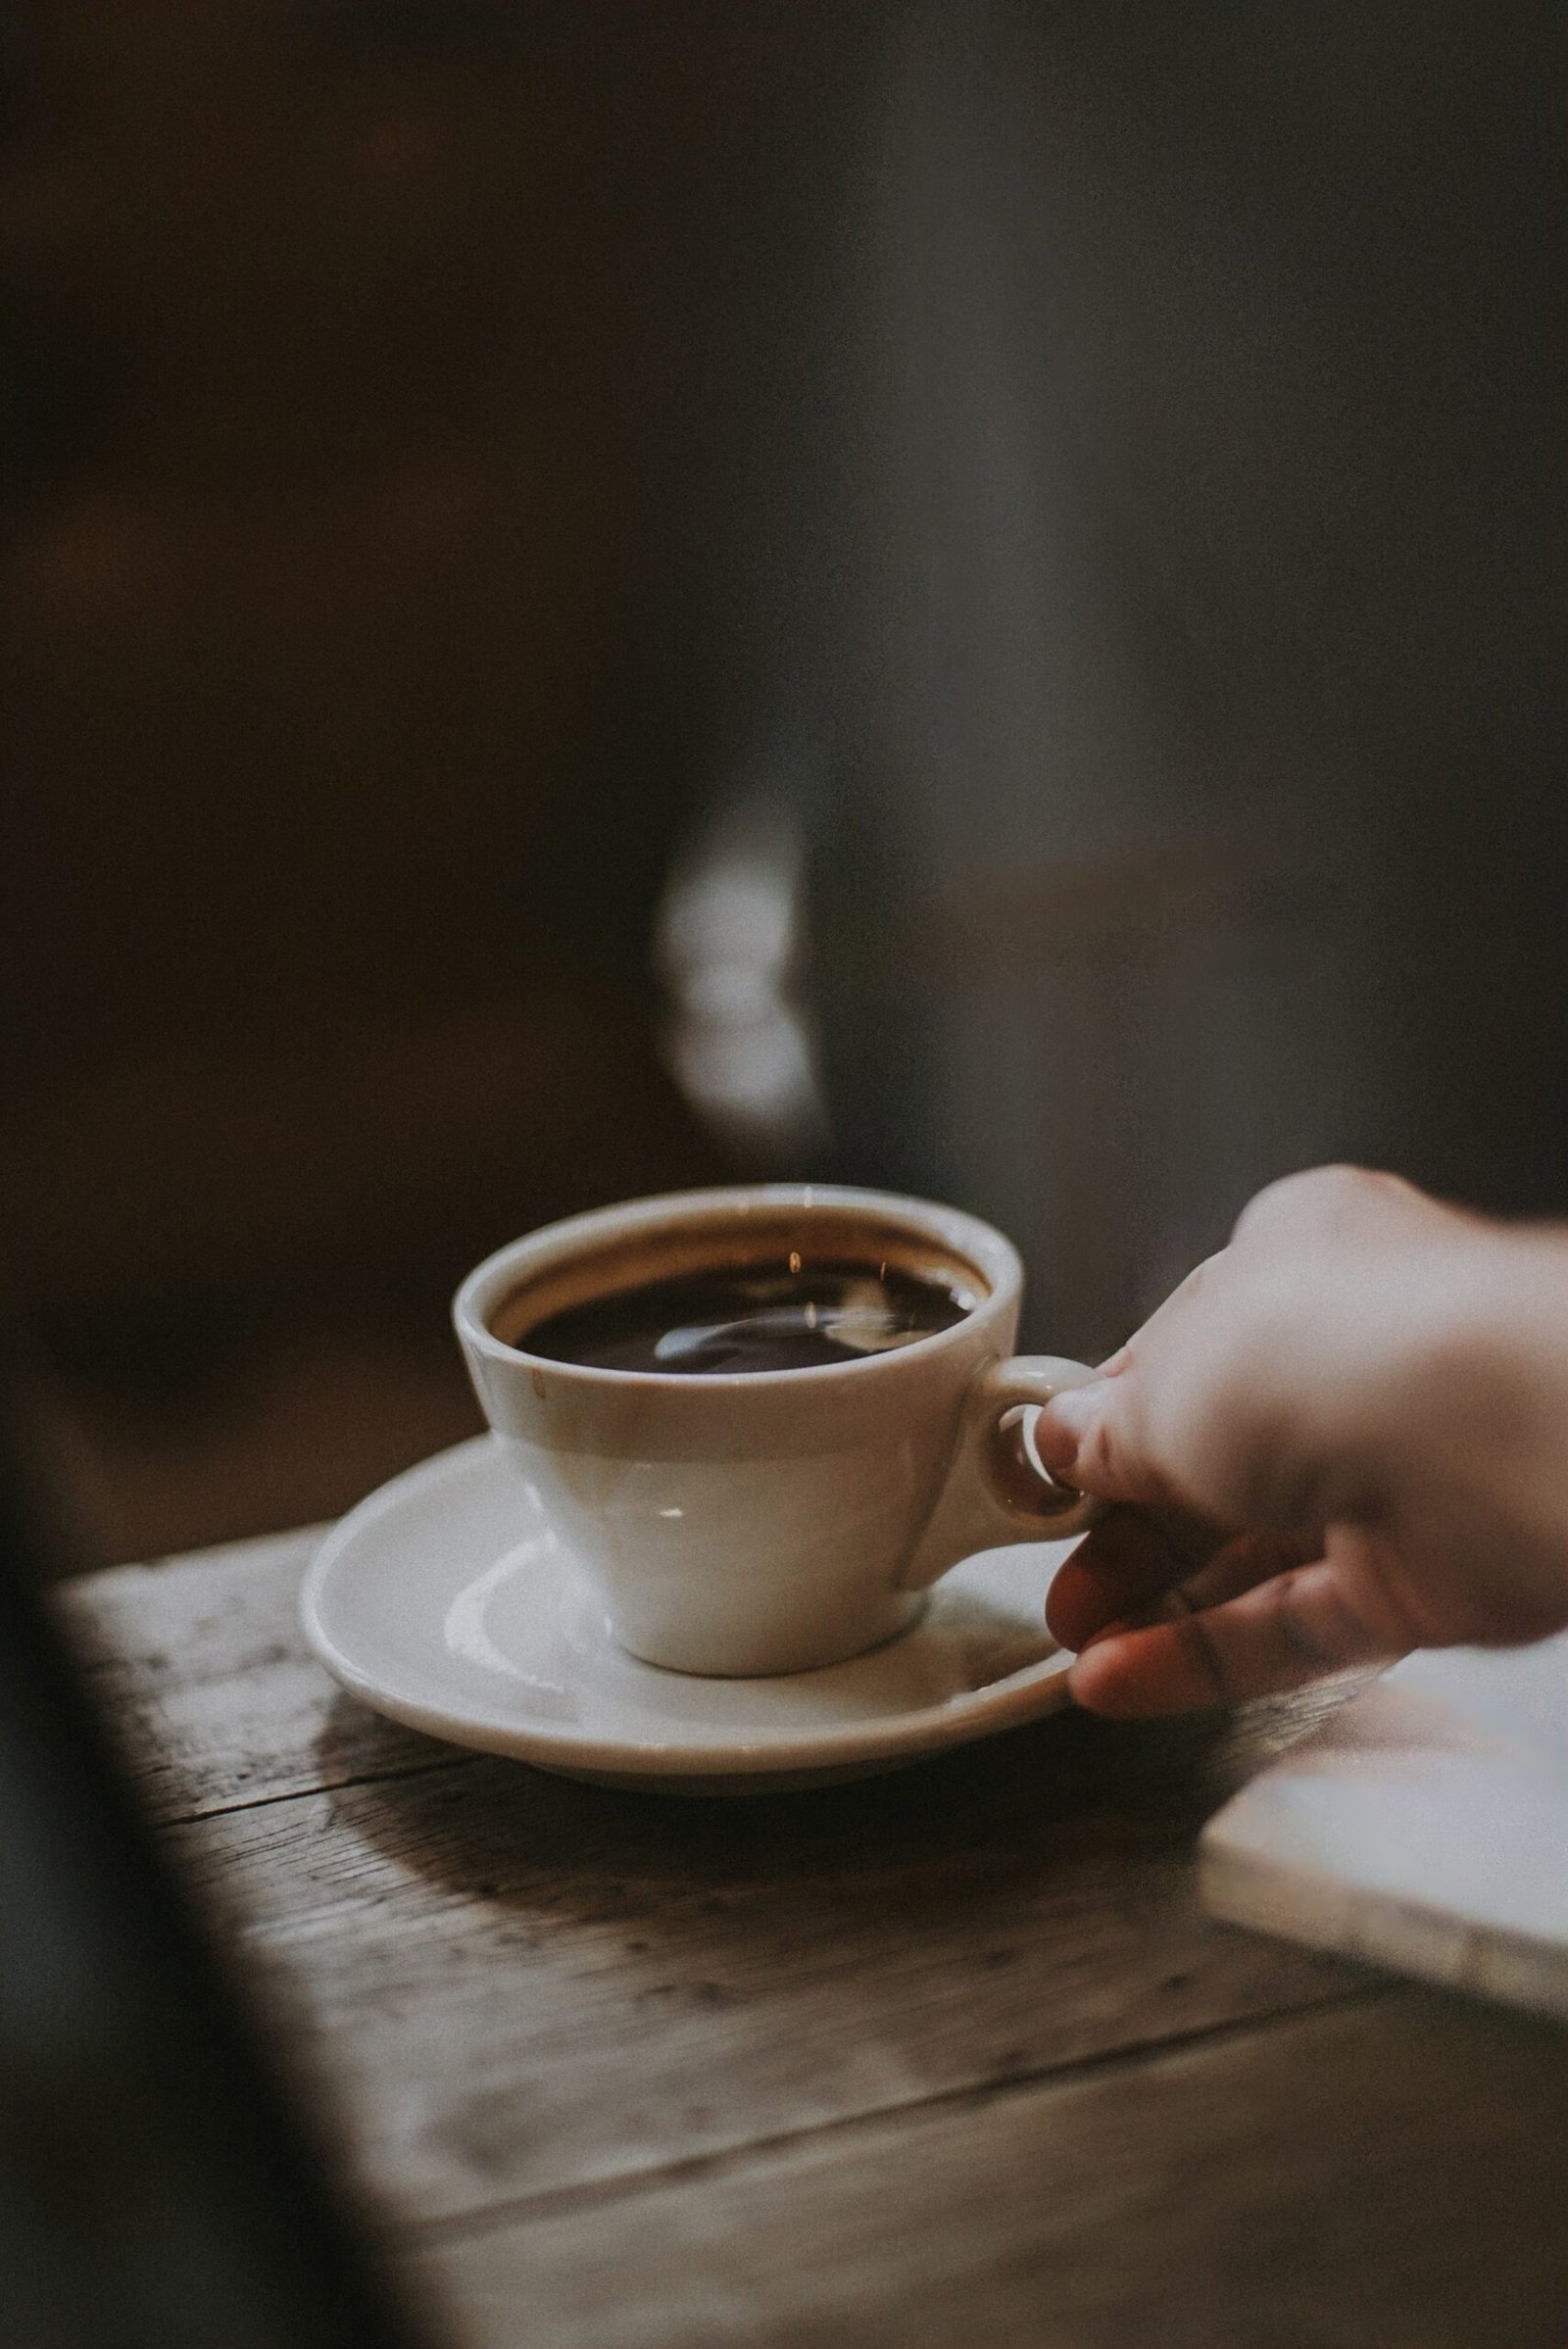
x=763, y=1522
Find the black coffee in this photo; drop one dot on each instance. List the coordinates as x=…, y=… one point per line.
x=789, y=1315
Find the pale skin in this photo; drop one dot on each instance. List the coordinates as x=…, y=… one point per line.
x=1343, y=1437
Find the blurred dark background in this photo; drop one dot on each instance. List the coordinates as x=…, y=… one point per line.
x=601, y=596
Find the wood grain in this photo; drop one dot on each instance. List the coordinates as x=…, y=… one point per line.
x=1393, y=2175
x=518, y=1983
x=513, y=1984
x=862, y=2065
x=208, y=1688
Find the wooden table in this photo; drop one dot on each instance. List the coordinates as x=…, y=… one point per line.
x=949, y=2055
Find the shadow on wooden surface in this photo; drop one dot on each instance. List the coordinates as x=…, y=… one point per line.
x=948, y=2052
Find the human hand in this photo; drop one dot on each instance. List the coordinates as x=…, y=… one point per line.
x=1339, y=1439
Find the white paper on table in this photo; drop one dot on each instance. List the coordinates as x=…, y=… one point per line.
x=1424, y=1827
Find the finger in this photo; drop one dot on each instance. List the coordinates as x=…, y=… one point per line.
x=1151, y=1578
x=1093, y=1435
x=1090, y=1437
x=1131, y=1555
x=1239, y=1565
x=1294, y=1627
x=1122, y=1564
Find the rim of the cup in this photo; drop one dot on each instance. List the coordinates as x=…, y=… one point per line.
x=493, y=1280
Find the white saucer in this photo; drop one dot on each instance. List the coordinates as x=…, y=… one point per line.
x=445, y=1601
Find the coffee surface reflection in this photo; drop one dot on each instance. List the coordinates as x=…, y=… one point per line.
x=789, y=1315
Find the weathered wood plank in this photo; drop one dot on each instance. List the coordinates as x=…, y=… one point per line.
x=809, y=2067
x=216, y=1701
x=1391, y=2176
x=514, y=1984
x=209, y=1688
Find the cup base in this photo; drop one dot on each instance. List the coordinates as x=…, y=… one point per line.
x=779, y=1657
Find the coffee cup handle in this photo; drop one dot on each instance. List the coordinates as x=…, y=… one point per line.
x=994, y=1493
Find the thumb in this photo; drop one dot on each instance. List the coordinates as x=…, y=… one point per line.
x=1087, y=1435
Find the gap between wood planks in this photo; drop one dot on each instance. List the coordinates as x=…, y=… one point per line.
x=620, y=2185
x=971, y=2095
x=318, y=1786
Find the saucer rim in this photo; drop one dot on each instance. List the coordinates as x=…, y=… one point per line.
x=1033, y=1691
